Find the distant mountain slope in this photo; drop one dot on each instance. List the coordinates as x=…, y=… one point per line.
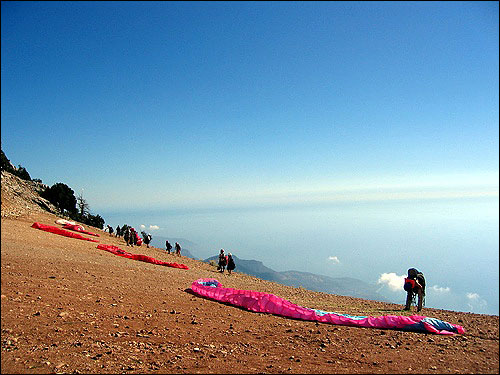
x=344, y=286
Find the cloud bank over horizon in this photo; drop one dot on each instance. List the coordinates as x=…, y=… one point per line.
x=442, y=297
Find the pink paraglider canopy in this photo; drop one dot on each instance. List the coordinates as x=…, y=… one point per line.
x=269, y=303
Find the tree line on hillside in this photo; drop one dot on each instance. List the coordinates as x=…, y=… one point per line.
x=60, y=195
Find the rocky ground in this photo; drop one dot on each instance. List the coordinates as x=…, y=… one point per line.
x=68, y=307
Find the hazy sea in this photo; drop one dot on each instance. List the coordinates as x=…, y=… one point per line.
x=454, y=242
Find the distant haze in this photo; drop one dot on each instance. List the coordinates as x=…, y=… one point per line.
x=453, y=242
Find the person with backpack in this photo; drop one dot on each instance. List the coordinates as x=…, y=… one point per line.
x=126, y=235
x=230, y=263
x=415, y=288
x=168, y=246
x=147, y=238
x=132, y=239
x=178, y=248
x=222, y=261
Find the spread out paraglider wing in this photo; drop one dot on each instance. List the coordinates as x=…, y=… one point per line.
x=269, y=303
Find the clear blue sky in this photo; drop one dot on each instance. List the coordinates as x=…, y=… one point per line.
x=164, y=102
x=218, y=105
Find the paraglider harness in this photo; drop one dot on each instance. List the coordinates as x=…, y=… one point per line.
x=410, y=285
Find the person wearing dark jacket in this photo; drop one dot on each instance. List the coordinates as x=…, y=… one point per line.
x=222, y=261
x=415, y=288
x=168, y=246
x=146, y=238
x=126, y=235
x=178, y=249
x=230, y=263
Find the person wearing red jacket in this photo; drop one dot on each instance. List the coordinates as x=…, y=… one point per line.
x=415, y=287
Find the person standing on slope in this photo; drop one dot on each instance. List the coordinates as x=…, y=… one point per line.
x=178, y=248
x=126, y=235
x=168, y=246
x=415, y=287
x=230, y=263
x=222, y=261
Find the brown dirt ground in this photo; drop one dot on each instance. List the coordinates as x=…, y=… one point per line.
x=68, y=307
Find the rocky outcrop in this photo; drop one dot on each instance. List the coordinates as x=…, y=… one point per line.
x=21, y=197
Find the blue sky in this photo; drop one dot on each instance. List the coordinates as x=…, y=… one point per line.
x=228, y=105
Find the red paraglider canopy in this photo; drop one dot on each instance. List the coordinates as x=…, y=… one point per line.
x=144, y=258
x=78, y=228
x=62, y=232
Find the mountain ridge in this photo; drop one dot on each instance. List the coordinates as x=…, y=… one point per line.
x=344, y=286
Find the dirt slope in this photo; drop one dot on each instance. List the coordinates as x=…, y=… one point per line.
x=68, y=307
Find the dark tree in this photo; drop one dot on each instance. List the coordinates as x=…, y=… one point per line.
x=61, y=196
x=23, y=173
x=95, y=220
x=83, y=206
x=6, y=164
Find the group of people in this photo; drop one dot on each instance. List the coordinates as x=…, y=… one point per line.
x=168, y=247
x=130, y=236
x=226, y=261
x=120, y=231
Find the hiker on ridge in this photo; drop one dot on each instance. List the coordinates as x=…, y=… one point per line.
x=131, y=239
x=168, y=246
x=415, y=288
x=126, y=235
x=178, y=249
x=230, y=263
x=222, y=261
x=147, y=238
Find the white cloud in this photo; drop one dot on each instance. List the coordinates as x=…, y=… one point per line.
x=393, y=281
x=475, y=302
x=440, y=289
x=154, y=227
x=142, y=226
x=472, y=296
x=334, y=259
